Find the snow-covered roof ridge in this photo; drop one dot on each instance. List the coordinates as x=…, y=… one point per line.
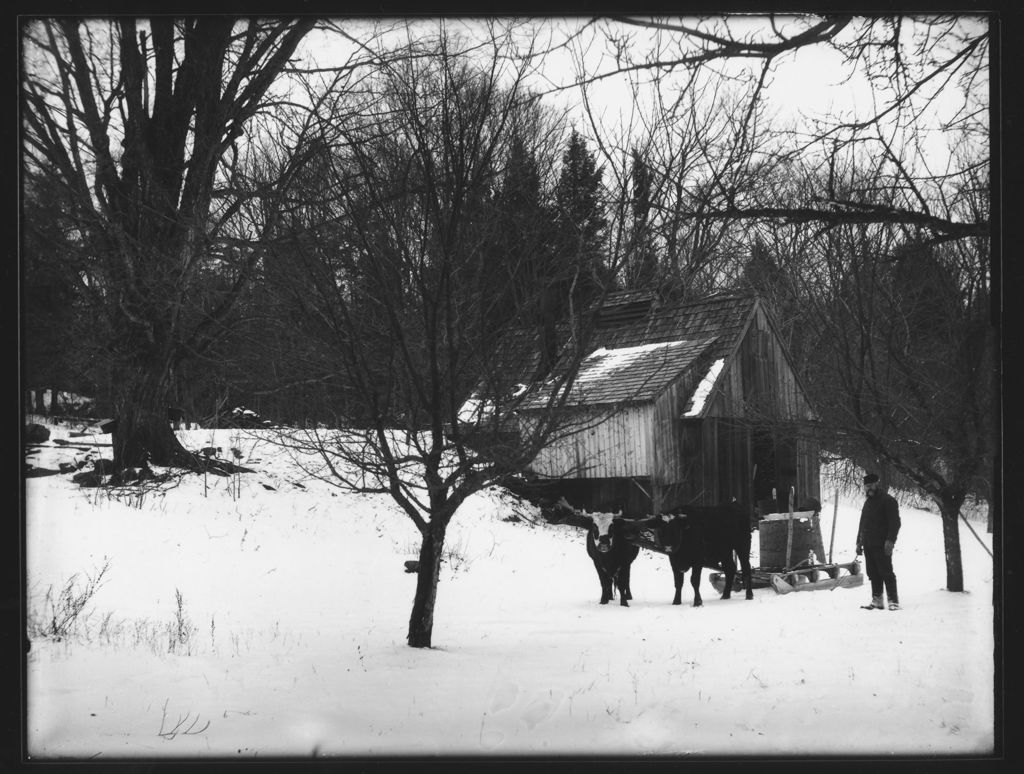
x=700, y=395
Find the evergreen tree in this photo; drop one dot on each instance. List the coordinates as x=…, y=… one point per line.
x=580, y=219
x=60, y=339
x=523, y=234
x=641, y=269
x=576, y=273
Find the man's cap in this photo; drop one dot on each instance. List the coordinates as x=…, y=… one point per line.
x=870, y=478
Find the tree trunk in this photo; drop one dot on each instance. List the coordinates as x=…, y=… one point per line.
x=54, y=405
x=41, y=402
x=950, y=511
x=421, y=623
x=143, y=432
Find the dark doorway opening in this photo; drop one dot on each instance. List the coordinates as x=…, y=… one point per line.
x=774, y=460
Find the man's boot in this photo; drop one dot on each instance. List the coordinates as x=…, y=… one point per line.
x=876, y=604
x=894, y=600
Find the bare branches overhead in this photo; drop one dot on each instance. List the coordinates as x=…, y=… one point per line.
x=909, y=94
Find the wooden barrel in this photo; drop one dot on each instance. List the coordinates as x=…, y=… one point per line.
x=773, y=536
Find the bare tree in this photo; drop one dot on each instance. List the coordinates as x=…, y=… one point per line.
x=909, y=360
x=680, y=144
x=388, y=259
x=140, y=124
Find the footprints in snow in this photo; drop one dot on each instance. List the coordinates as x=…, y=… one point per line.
x=532, y=711
x=504, y=697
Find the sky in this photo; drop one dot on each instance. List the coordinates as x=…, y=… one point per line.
x=809, y=84
x=806, y=85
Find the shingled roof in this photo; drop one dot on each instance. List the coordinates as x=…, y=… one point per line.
x=634, y=374
x=641, y=345
x=724, y=316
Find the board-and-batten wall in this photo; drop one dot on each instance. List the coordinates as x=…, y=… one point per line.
x=711, y=460
x=760, y=372
x=609, y=445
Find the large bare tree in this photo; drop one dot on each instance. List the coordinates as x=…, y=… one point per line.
x=140, y=123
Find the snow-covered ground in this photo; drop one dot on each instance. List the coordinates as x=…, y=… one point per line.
x=235, y=620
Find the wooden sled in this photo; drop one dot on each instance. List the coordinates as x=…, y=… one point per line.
x=810, y=578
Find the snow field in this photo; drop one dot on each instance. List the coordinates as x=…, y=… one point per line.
x=299, y=607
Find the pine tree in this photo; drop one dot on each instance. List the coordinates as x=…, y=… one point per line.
x=523, y=236
x=580, y=219
x=641, y=269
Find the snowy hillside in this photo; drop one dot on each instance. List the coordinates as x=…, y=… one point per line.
x=235, y=620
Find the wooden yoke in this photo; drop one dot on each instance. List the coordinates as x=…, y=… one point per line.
x=662, y=534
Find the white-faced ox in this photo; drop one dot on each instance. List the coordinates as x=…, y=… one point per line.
x=607, y=546
x=612, y=554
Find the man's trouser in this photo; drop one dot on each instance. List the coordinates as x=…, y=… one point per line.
x=880, y=572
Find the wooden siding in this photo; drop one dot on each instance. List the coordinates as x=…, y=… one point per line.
x=758, y=383
x=732, y=463
x=629, y=496
x=808, y=474
x=714, y=465
x=613, y=446
x=672, y=449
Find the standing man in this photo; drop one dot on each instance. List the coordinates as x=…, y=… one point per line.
x=876, y=537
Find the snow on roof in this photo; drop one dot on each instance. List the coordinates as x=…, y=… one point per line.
x=477, y=409
x=631, y=374
x=700, y=395
x=603, y=361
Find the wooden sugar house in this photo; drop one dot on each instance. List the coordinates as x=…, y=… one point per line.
x=684, y=402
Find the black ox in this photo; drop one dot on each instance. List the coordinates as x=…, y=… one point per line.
x=694, y=537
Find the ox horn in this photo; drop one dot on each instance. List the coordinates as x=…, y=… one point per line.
x=633, y=526
x=563, y=513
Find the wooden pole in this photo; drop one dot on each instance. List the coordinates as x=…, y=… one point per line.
x=789, y=532
x=789, y=541
x=832, y=540
x=960, y=513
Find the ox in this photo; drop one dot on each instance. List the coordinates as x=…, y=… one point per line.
x=706, y=536
x=607, y=546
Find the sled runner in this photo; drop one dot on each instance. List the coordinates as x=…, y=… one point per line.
x=807, y=578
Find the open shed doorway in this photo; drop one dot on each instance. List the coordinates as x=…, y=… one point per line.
x=774, y=460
